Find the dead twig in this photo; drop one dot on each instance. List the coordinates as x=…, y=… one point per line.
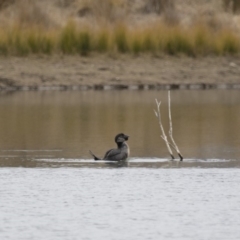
x=171, y=129
x=164, y=137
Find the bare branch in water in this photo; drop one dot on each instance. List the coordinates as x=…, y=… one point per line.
x=171, y=129
x=164, y=137
x=169, y=143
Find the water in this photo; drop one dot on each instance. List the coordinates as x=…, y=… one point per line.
x=68, y=124
x=50, y=188
x=123, y=203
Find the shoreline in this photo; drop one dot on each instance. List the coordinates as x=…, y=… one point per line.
x=202, y=86
x=102, y=72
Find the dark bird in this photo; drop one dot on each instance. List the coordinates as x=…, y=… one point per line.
x=116, y=154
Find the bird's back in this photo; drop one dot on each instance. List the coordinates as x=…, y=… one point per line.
x=117, y=154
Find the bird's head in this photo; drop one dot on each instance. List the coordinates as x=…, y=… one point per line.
x=121, y=137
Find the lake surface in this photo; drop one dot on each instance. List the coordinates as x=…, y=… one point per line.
x=50, y=188
x=119, y=203
x=35, y=125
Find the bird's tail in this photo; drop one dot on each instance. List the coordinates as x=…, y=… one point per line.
x=94, y=156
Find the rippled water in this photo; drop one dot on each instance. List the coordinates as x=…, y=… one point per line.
x=50, y=188
x=122, y=203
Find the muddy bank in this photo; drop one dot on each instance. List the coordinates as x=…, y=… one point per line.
x=124, y=72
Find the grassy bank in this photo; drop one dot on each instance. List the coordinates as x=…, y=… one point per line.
x=198, y=40
x=183, y=27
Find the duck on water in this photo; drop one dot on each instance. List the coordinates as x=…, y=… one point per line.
x=120, y=153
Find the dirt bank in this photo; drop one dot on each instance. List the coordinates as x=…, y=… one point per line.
x=104, y=72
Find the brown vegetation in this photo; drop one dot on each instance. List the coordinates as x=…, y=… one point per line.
x=232, y=5
x=83, y=26
x=131, y=12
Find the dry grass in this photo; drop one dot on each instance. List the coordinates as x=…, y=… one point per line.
x=159, y=6
x=158, y=39
x=30, y=13
x=107, y=10
x=33, y=30
x=5, y=3
x=231, y=5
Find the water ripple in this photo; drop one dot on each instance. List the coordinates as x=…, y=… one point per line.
x=125, y=203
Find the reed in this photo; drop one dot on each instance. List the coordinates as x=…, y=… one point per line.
x=83, y=44
x=121, y=38
x=102, y=41
x=148, y=43
x=136, y=46
x=229, y=43
x=38, y=43
x=202, y=41
x=179, y=42
x=198, y=40
x=68, y=39
x=3, y=43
